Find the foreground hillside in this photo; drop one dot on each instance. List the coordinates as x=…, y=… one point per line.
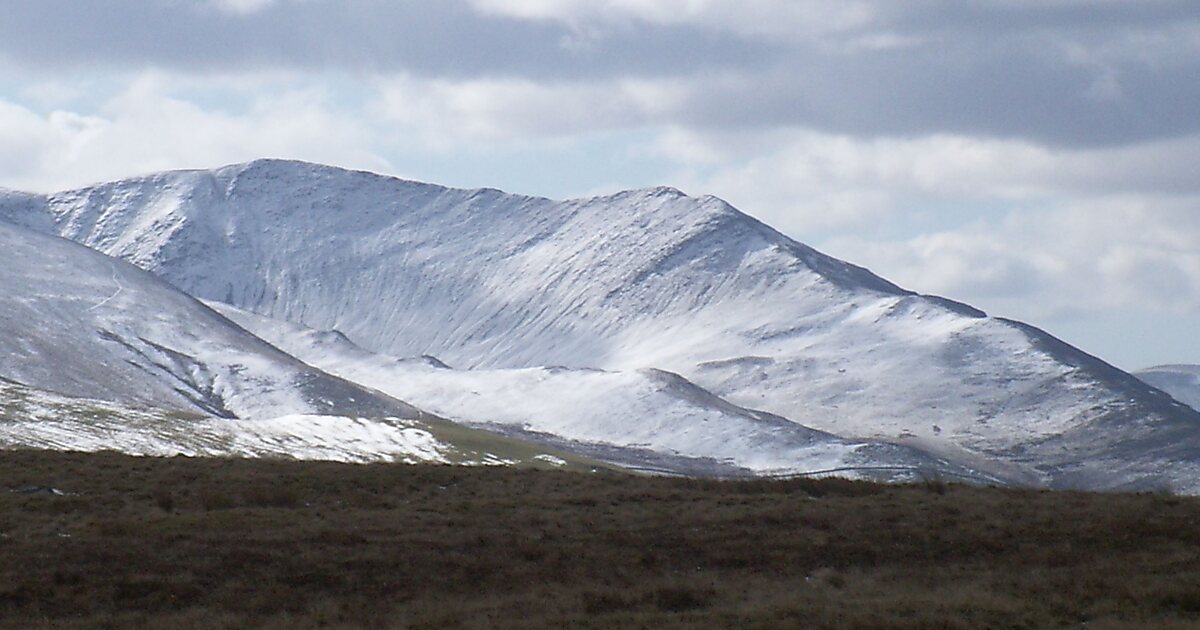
x=235, y=543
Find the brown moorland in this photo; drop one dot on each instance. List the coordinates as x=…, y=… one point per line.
x=184, y=543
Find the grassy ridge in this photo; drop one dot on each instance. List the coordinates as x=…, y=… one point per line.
x=208, y=542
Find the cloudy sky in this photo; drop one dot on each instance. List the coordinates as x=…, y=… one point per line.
x=1037, y=158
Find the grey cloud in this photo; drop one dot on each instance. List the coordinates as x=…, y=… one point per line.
x=445, y=38
x=1054, y=72
x=1012, y=93
x=1007, y=15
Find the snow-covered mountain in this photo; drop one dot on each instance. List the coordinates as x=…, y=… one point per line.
x=83, y=324
x=646, y=285
x=1182, y=382
x=613, y=415
x=96, y=353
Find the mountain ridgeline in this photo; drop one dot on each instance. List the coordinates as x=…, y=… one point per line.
x=640, y=296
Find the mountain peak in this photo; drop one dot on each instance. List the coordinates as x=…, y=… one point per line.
x=294, y=167
x=643, y=279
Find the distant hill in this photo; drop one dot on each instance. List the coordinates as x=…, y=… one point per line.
x=1180, y=381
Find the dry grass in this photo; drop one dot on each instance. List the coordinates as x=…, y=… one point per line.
x=231, y=543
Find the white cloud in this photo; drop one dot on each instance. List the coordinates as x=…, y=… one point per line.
x=242, y=7
x=1104, y=254
x=145, y=128
x=780, y=18
x=804, y=181
x=464, y=114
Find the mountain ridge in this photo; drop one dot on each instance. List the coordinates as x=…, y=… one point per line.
x=98, y=354
x=83, y=324
x=639, y=279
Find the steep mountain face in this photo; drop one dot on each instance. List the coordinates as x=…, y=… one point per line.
x=642, y=280
x=83, y=324
x=1182, y=382
x=98, y=354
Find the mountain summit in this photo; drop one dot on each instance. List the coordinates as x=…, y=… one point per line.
x=489, y=282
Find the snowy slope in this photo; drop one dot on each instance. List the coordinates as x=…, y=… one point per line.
x=25, y=210
x=640, y=280
x=31, y=418
x=97, y=354
x=83, y=324
x=1182, y=382
x=610, y=412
